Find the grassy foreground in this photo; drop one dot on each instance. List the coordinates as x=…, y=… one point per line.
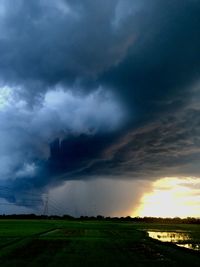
x=94, y=243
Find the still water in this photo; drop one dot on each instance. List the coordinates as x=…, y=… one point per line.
x=181, y=239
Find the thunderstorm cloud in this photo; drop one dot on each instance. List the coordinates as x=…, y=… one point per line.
x=97, y=89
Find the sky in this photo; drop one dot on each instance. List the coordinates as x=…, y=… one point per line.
x=99, y=107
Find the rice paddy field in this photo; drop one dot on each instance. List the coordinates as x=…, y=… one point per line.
x=97, y=243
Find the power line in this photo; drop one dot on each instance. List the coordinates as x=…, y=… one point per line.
x=46, y=205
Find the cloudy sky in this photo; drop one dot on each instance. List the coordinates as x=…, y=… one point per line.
x=98, y=101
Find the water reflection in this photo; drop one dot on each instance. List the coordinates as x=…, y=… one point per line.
x=190, y=246
x=169, y=236
x=181, y=239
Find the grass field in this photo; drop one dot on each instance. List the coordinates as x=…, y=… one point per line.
x=94, y=243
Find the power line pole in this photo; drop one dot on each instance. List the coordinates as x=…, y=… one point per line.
x=46, y=205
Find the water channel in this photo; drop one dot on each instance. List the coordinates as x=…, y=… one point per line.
x=182, y=239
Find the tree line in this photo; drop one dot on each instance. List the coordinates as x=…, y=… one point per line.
x=176, y=220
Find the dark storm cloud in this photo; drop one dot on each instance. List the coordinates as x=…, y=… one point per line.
x=47, y=42
x=82, y=65
x=170, y=146
x=164, y=61
x=145, y=51
x=167, y=147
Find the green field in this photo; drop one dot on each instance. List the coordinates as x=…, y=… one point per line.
x=93, y=243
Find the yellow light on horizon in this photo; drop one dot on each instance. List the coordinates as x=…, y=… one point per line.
x=171, y=197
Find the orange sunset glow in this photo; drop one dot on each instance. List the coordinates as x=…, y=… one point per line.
x=171, y=197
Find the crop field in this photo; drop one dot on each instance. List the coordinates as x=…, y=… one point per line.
x=92, y=243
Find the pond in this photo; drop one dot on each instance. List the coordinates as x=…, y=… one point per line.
x=182, y=239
